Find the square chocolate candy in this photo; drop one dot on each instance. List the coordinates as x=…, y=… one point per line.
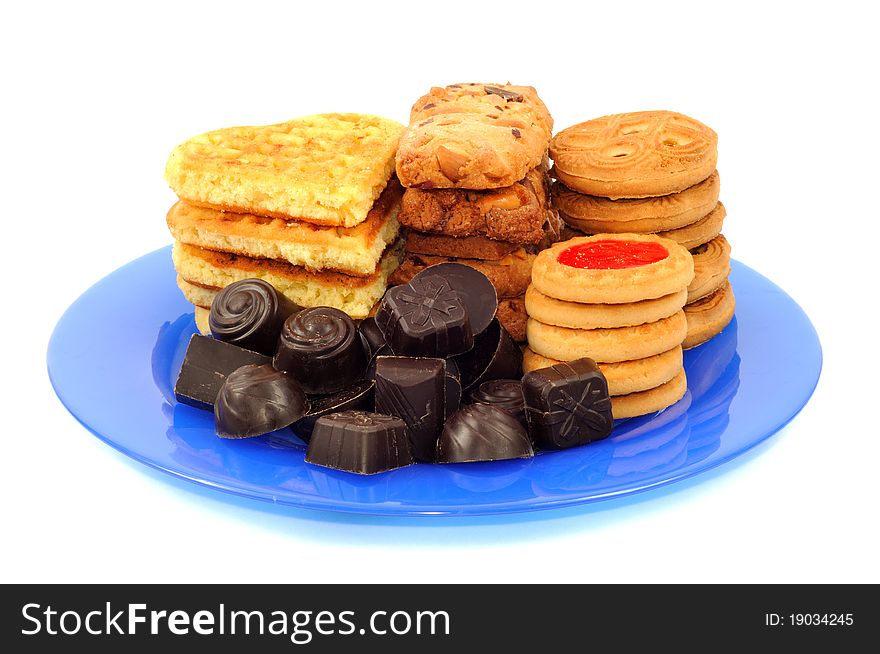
x=206, y=365
x=414, y=390
x=567, y=404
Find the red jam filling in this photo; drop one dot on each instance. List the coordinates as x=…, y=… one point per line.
x=612, y=254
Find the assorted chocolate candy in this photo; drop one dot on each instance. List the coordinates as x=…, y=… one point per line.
x=505, y=394
x=426, y=317
x=321, y=348
x=255, y=400
x=249, y=313
x=472, y=286
x=567, y=404
x=205, y=367
x=358, y=396
x=372, y=336
x=482, y=432
x=414, y=389
x=433, y=377
x=360, y=442
x=494, y=356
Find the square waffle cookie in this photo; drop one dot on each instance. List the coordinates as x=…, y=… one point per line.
x=326, y=169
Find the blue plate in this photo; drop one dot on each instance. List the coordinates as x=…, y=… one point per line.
x=115, y=353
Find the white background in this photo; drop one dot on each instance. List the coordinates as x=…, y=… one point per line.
x=95, y=97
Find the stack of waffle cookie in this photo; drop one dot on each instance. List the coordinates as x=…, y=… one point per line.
x=309, y=206
x=474, y=161
x=651, y=172
x=617, y=299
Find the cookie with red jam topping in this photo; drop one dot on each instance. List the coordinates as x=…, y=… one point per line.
x=612, y=269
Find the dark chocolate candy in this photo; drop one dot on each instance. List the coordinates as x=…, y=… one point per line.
x=494, y=356
x=453, y=387
x=425, y=318
x=475, y=289
x=567, y=404
x=414, y=390
x=205, y=366
x=505, y=394
x=372, y=337
x=255, y=400
x=359, y=441
x=250, y=313
x=482, y=432
x=384, y=351
x=321, y=348
x=358, y=396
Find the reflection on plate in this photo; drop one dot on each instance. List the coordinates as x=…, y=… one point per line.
x=743, y=386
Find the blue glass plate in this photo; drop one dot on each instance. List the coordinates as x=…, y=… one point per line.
x=115, y=353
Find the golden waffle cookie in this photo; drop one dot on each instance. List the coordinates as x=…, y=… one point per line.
x=475, y=136
x=607, y=345
x=702, y=231
x=202, y=315
x=612, y=285
x=211, y=270
x=326, y=169
x=709, y=316
x=576, y=315
x=635, y=155
x=515, y=213
x=649, y=401
x=711, y=268
x=593, y=214
x=509, y=275
x=512, y=316
x=351, y=250
x=198, y=295
x=623, y=377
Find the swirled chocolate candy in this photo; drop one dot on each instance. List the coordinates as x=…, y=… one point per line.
x=567, y=404
x=249, y=313
x=357, y=396
x=494, y=356
x=360, y=442
x=506, y=394
x=482, y=432
x=321, y=348
x=425, y=318
x=372, y=337
x=475, y=289
x=255, y=400
x=414, y=390
x=205, y=366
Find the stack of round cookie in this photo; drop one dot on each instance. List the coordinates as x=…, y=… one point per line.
x=651, y=172
x=617, y=299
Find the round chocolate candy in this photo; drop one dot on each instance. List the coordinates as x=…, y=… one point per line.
x=494, y=356
x=249, y=313
x=506, y=394
x=482, y=432
x=425, y=318
x=321, y=348
x=475, y=289
x=257, y=399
